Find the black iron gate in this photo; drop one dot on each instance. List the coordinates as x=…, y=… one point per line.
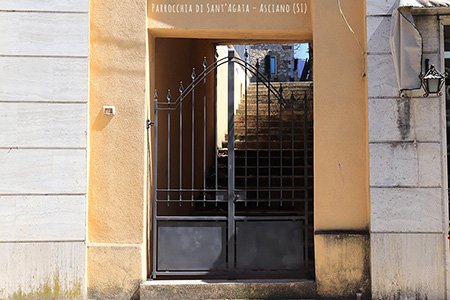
x=242, y=207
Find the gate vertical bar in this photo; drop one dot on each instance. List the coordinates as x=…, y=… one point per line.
x=216, y=150
x=257, y=133
x=246, y=126
x=292, y=148
x=305, y=174
x=204, y=130
x=281, y=144
x=268, y=109
x=192, y=137
x=168, y=147
x=231, y=164
x=181, y=143
x=155, y=186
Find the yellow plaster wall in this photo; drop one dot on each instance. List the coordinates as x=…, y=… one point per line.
x=117, y=155
x=231, y=25
x=341, y=168
x=341, y=160
x=118, y=159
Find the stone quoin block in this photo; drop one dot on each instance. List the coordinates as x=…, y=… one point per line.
x=408, y=265
x=395, y=119
x=43, y=270
x=405, y=164
x=42, y=218
x=45, y=79
x=429, y=29
x=46, y=5
x=43, y=171
x=378, y=30
x=381, y=7
x=43, y=125
x=382, y=81
x=50, y=34
x=406, y=209
x=393, y=164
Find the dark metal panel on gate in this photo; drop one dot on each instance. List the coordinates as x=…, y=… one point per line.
x=269, y=245
x=191, y=246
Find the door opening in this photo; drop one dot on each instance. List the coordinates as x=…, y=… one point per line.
x=235, y=203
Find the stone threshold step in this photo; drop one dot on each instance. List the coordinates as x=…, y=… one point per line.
x=228, y=289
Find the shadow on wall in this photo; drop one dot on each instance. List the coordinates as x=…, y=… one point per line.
x=101, y=121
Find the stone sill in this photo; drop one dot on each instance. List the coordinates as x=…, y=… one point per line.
x=233, y=289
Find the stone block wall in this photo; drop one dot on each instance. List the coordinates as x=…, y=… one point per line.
x=285, y=59
x=43, y=142
x=407, y=169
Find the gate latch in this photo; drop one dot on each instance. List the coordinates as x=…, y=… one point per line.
x=240, y=195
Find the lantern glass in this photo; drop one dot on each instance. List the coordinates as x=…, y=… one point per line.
x=432, y=81
x=433, y=85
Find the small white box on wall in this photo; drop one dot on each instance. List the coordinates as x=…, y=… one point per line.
x=109, y=110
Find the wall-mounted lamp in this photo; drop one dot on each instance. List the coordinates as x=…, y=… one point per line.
x=432, y=81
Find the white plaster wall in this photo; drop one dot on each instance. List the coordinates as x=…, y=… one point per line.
x=43, y=148
x=409, y=216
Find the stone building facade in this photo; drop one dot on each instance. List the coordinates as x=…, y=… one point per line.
x=408, y=176
x=75, y=183
x=282, y=54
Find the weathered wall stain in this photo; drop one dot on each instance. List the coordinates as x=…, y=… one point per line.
x=51, y=289
x=404, y=117
x=346, y=267
x=342, y=173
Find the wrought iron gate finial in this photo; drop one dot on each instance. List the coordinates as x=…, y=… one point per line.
x=181, y=87
x=169, y=95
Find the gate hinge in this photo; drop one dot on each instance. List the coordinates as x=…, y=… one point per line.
x=150, y=124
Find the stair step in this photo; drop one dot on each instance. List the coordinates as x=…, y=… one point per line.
x=264, y=182
x=264, y=161
x=263, y=107
x=273, y=124
x=264, y=136
x=274, y=135
x=264, y=100
x=264, y=153
x=299, y=94
x=264, y=170
x=265, y=144
x=286, y=84
x=273, y=130
x=298, y=91
x=298, y=117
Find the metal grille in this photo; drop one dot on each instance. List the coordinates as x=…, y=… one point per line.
x=243, y=207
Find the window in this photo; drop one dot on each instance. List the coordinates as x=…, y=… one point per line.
x=273, y=65
x=270, y=64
